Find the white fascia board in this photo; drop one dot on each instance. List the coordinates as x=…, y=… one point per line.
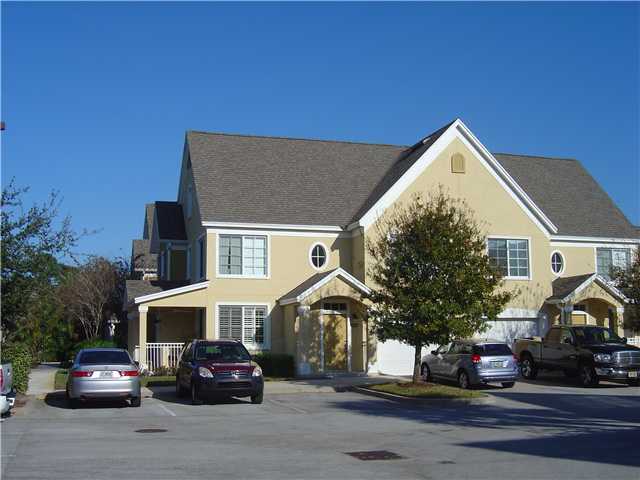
x=590, y=241
x=339, y=272
x=460, y=131
x=169, y=293
x=608, y=286
x=579, y=288
x=274, y=226
x=522, y=196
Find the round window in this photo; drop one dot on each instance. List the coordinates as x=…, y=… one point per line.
x=318, y=256
x=557, y=263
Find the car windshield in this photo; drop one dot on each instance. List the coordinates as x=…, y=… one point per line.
x=490, y=349
x=107, y=357
x=596, y=335
x=222, y=353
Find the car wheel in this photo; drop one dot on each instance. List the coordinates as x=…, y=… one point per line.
x=195, y=398
x=528, y=368
x=463, y=380
x=257, y=399
x=425, y=373
x=179, y=389
x=508, y=384
x=588, y=376
x=136, y=401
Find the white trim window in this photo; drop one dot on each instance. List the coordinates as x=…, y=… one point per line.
x=318, y=256
x=557, y=263
x=244, y=323
x=242, y=255
x=511, y=256
x=609, y=258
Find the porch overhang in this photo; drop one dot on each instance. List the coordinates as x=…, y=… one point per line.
x=573, y=289
x=316, y=282
x=163, y=294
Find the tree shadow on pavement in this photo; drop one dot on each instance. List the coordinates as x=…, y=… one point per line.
x=595, y=428
x=168, y=394
x=59, y=400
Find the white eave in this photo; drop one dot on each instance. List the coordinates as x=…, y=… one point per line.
x=169, y=293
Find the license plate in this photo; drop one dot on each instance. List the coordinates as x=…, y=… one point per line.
x=497, y=364
x=633, y=374
x=106, y=374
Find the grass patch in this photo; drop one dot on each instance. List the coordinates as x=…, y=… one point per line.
x=425, y=390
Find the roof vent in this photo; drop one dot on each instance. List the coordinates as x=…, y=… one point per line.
x=457, y=163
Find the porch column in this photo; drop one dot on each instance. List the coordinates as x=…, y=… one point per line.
x=565, y=314
x=209, y=323
x=142, y=332
x=620, y=321
x=302, y=366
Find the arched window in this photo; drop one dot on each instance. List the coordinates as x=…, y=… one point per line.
x=318, y=256
x=557, y=263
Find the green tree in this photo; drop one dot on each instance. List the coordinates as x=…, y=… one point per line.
x=628, y=282
x=33, y=241
x=432, y=278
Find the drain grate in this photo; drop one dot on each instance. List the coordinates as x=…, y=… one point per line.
x=151, y=430
x=375, y=455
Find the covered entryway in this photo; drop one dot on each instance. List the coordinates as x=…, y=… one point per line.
x=326, y=323
x=587, y=300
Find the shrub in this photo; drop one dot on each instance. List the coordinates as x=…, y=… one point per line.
x=275, y=364
x=92, y=343
x=20, y=357
x=163, y=371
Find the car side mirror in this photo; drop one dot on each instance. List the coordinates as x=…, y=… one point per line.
x=624, y=339
x=568, y=341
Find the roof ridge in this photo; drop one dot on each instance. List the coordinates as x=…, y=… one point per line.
x=278, y=137
x=536, y=156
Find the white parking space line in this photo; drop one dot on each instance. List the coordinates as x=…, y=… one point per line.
x=281, y=404
x=162, y=407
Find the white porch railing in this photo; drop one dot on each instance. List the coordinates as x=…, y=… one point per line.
x=634, y=341
x=161, y=354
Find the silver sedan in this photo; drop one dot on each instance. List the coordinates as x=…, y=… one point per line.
x=103, y=373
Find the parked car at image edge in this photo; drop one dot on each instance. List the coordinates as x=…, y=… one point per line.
x=103, y=373
x=593, y=353
x=210, y=368
x=472, y=362
x=7, y=393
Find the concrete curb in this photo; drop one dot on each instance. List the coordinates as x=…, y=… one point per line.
x=436, y=402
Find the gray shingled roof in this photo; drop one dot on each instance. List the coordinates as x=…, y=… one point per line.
x=564, y=286
x=568, y=195
x=141, y=256
x=170, y=221
x=250, y=179
x=308, y=283
x=138, y=288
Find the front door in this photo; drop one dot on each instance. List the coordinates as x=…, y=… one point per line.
x=335, y=342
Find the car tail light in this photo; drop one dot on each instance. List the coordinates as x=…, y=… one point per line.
x=81, y=373
x=475, y=358
x=129, y=373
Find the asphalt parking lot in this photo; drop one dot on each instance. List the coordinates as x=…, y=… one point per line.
x=547, y=429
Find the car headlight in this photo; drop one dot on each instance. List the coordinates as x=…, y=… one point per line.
x=257, y=372
x=205, y=372
x=602, y=357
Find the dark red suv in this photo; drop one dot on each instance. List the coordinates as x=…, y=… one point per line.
x=218, y=368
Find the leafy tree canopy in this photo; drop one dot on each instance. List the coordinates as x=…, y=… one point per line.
x=433, y=280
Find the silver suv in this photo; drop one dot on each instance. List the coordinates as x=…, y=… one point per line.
x=472, y=362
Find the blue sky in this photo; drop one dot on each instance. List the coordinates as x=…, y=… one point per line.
x=97, y=97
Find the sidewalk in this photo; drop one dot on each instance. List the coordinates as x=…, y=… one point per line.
x=41, y=379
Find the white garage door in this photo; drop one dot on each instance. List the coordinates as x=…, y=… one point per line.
x=396, y=358
x=508, y=329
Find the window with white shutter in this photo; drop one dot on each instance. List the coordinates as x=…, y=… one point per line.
x=244, y=323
